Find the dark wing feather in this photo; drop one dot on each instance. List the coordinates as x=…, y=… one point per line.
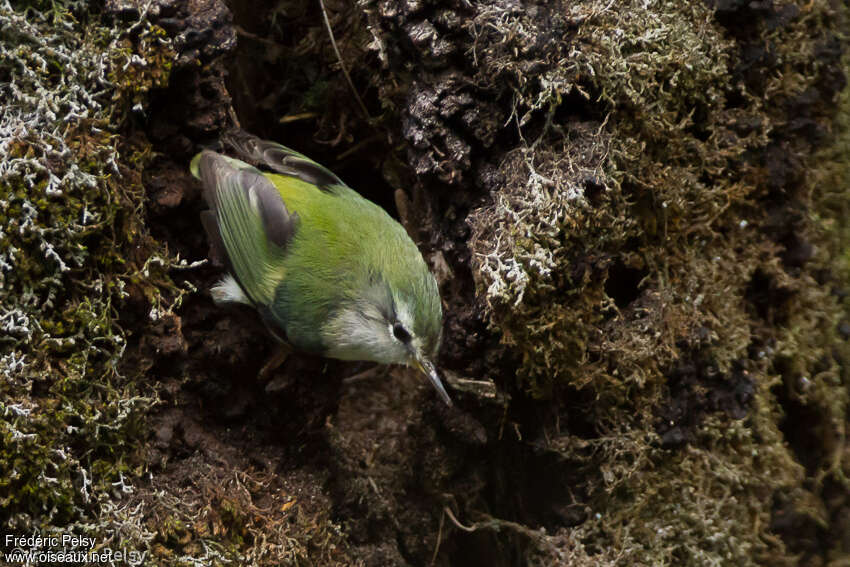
x=279, y=223
x=280, y=159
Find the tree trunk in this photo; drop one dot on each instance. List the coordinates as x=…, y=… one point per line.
x=636, y=215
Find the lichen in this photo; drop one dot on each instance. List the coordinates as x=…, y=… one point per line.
x=656, y=239
x=634, y=174
x=655, y=256
x=70, y=421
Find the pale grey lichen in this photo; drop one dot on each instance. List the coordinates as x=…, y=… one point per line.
x=516, y=237
x=65, y=406
x=611, y=254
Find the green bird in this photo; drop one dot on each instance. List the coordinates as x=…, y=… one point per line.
x=328, y=271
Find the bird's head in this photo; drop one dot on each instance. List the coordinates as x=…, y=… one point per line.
x=391, y=321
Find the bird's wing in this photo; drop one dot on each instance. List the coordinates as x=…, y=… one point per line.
x=280, y=159
x=249, y=221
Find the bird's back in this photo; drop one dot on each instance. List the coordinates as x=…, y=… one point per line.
x=344, y=244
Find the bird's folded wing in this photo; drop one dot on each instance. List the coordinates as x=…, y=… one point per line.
x=280, y=159
x=251, y=220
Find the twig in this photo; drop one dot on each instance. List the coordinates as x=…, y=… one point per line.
x=497, y=525
x=296, y=117
x=243, y=32
x=451, y=516
x=356, y=147
x=439, y=538
x=361, y=376
x=342, y=63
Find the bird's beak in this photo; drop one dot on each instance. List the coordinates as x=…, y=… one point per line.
x=427, y=368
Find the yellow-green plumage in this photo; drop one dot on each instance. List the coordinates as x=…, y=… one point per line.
x=329, y=271
x=346, y=244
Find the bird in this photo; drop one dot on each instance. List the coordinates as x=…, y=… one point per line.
x=328, y=271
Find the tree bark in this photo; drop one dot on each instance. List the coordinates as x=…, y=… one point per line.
x=635, y=212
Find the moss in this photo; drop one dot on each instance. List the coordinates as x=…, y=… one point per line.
x=658, y=247
x=650, y=171
x=213, y=516
x=77, y=264
x=70, y=420
x=614, y=249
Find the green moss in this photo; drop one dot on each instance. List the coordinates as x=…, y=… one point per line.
x=613, y=250
x=70, y=422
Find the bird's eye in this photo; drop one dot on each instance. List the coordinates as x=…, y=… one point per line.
x=401, y=333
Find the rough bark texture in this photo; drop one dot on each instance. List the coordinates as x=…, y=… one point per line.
x=637, y=215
